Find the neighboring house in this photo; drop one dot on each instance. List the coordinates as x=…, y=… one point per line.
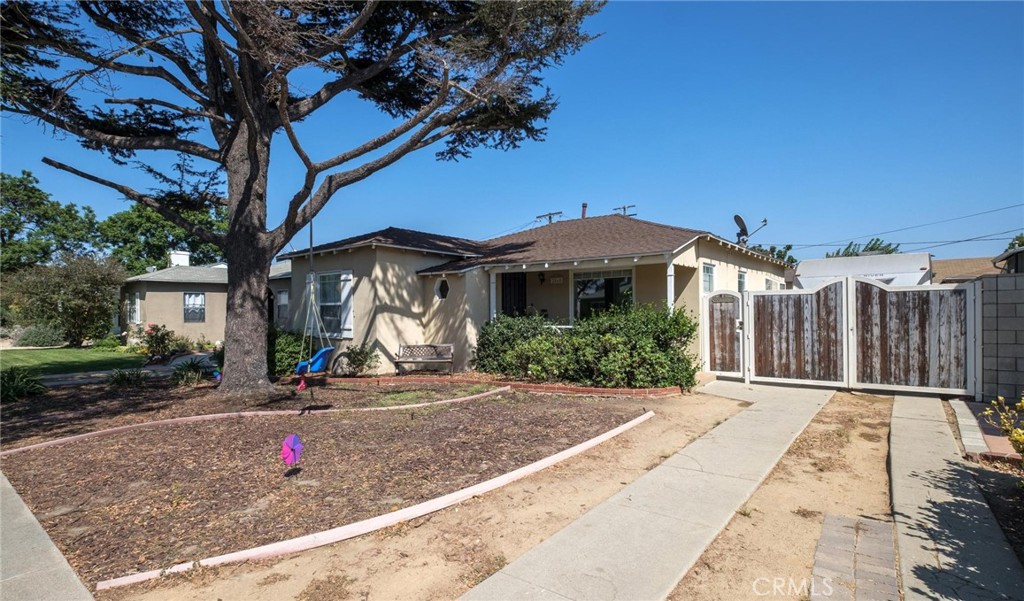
x=958, y=271
x=398, y=286
x=900, y=269
x=1012, y=260
x=191, y=300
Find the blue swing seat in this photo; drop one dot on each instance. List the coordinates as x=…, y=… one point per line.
x=316, y=364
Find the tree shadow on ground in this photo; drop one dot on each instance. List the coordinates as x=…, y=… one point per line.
x=961, y=552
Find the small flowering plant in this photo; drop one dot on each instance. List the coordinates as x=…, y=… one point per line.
x=156, y=338
x=1010, y=419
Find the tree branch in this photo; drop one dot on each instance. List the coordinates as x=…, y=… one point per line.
x=157, y=102
x=196, y=230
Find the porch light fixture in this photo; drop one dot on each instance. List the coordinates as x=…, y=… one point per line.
x=540, y=276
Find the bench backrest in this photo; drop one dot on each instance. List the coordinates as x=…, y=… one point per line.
x=426, y=351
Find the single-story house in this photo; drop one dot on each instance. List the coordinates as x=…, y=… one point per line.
x=900, y=269
x=958, y=271
x=192, y=300
x=398, y=286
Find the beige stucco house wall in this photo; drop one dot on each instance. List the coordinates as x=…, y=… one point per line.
x=163, y=303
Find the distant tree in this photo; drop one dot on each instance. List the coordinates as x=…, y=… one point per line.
x=779, y=253
x=874, y=246
x=34, y=228
x=1017, y=242
x=223, y=80
x=77, y=294
x=139, y=237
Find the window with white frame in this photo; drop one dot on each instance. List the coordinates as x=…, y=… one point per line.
x=281, y=307
x=335, y=300
x=769, y=284
x=741, y=281
x=195, y=307
x=597, y=290
x=135, y=307
x=709, y=277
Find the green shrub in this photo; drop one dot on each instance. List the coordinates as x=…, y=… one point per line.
x=285, y=350
x=631, y=347
x=110, y=343
x=189, y=373
x=361, y=358
x=17, y=383
x=41, y=335
x=181, y=344
x=126, y=378
x=157, y=339
x=500, y=335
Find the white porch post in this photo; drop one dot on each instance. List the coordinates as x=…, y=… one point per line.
x=493, y=294
x=670, y=285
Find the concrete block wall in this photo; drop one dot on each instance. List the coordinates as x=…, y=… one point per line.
x=1002, y=336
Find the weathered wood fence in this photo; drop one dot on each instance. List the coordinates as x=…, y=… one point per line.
x=852, y=333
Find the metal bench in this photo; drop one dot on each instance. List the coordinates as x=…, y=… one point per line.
x=425, y=353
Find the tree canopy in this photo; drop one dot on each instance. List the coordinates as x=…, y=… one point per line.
x=222, y=81
x=875, y=246
x=139, y=237
x=779, y=253
x=1017, y=242
x=34, y=228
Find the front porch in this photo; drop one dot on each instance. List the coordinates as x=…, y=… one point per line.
x=565, y=292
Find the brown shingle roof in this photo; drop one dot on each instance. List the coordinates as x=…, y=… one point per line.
x=400, y=238
x=961, y=270
x=578, y=239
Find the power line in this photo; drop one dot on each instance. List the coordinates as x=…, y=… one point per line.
x=965, y=240
x=905, y=243
x=911, y=227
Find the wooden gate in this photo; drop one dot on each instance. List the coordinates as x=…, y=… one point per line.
x=911, y=337
x=797, y=335
x=724, y=337
x=859, y=333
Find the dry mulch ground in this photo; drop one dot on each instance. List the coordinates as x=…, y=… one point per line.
x=63, y=412
x=150, y=498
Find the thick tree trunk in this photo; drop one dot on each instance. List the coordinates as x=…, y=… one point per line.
x=248, y=251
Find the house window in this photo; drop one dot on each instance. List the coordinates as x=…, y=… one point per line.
x=135, y=307
x=768, y=284
x=709, y=277
x=281, y=308
x=195, y=307
x=741, y=281
x=441, y=289
x=336, y=303
x=597, y=290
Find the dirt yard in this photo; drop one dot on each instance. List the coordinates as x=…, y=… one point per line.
x=63, y=412
x=837, y=465
x=442, y=555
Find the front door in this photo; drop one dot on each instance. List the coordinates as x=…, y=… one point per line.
x=513, y=293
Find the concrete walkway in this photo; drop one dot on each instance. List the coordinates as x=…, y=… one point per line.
x=639, y=543
x=950, y=545
x=31, y=567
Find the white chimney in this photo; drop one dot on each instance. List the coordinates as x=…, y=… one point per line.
x=179, y=258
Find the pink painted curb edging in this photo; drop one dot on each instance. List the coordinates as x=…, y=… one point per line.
x=219, y=416
x=327, y=537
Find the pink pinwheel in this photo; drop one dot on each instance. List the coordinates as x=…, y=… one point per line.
x=291, y=449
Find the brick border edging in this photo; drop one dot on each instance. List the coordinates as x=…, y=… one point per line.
x=235, y=414
x=552, y=388
x=327, y=537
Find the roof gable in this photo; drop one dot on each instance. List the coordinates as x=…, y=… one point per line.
x=399, y=238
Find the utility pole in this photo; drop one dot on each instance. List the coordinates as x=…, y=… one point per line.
x=625, y=210
x=550, y=216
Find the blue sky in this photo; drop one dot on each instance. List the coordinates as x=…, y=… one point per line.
x=831, y=120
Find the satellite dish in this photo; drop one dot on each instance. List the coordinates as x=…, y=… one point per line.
x=744, y=235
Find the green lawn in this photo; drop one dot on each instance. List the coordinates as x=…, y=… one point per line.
x=68, y=360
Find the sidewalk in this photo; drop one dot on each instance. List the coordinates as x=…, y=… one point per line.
x=31, y=567
x=639, y=543
x=950, y=545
